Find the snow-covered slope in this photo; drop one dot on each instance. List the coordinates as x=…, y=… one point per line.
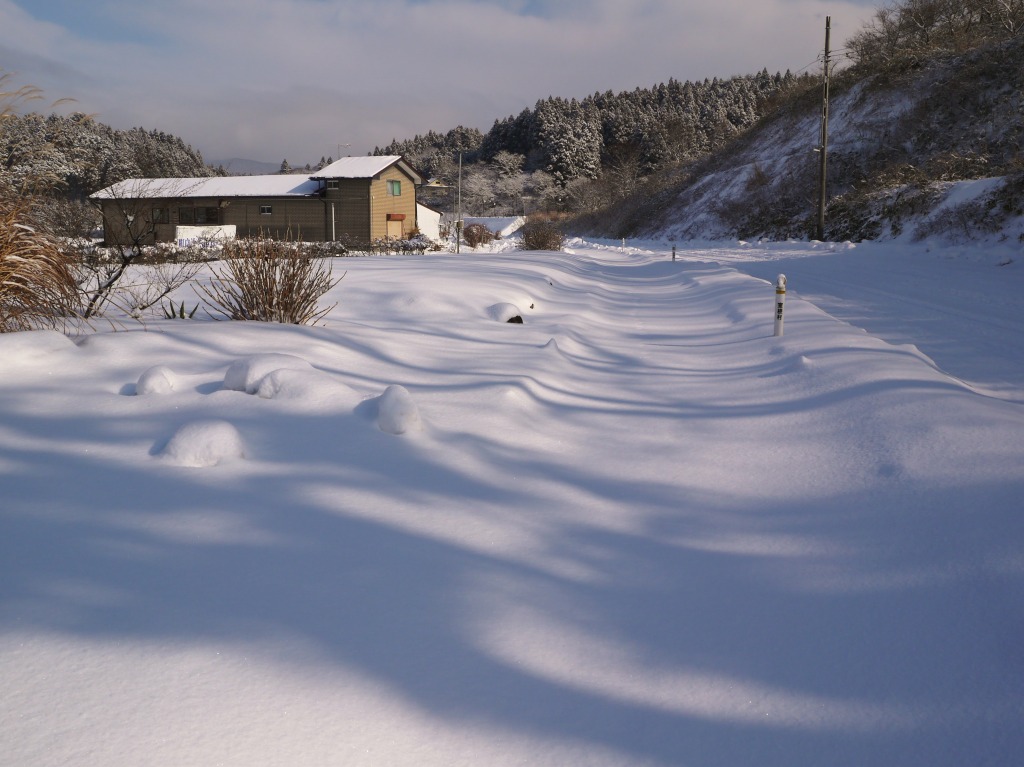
x=931, y=154
x=636, y=529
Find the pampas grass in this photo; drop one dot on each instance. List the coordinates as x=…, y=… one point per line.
x=37, y=286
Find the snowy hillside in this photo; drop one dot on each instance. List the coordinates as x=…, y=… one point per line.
x=930, y=154
x=636, y=529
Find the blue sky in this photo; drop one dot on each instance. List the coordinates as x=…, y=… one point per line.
x=297, y=79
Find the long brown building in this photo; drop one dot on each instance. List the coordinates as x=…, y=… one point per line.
x=354, y=200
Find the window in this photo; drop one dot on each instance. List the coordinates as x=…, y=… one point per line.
x=160, y=216
x=395, y=188
x=332, y=183
x=207, y=215
x=266, y=210
x=200, y=216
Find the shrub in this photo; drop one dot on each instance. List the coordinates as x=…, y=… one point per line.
x=37, y=287
x=477, y=234
x=541, y=234
x=381, y=246
x=150, y=285
x=269, y=281
x=329, y=249
x=907, y=32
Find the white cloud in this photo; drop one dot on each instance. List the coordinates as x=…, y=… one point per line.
x=293, y=78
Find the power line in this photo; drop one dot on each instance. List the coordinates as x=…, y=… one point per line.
x=805, y=67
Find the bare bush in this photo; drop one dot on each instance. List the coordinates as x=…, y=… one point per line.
x=977, y=218
x=477, y=234
x=269, y=281
x=542, y=234
x=131, y=284
x=908, y=32
x=148, y=286
x=771, y=205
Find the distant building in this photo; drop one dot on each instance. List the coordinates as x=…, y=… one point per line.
x=428, y=221
x=355, y=200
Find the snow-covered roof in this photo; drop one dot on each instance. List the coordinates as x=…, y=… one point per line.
x=366, y=167
x=228, y=186
x=357, y=167
x=277, y=185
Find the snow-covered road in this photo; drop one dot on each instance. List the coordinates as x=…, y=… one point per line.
x=634, y=530
x=959, y=305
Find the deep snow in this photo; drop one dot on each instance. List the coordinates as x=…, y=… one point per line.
x=636, y=529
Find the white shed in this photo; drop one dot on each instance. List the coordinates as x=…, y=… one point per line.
x=429, y=221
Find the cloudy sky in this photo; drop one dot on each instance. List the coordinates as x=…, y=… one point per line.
x=298, y=79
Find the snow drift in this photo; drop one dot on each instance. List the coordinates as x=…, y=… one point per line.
x=639, y=530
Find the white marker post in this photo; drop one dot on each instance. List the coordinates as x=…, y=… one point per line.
x=780, y=302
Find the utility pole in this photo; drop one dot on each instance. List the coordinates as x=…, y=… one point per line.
x=823, y=146
x=458, y=211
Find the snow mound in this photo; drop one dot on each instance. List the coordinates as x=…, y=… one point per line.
x=396, y=412
x=504, y=312
x=204, y=443
x=790, y=366
x=158, y=379
x=30, y=344
x=308, y=386
x=551, y=348
x=247, y=373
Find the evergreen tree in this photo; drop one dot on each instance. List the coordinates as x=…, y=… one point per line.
x=83, y=156
x=569, y=139
x=635, y=132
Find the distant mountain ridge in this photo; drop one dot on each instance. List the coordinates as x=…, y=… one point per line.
x=239, y=166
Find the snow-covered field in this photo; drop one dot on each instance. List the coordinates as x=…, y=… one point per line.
x=636, y=529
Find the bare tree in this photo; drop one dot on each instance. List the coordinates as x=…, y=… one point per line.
x=909, y=31
x=64, y=218
x=133, y=212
